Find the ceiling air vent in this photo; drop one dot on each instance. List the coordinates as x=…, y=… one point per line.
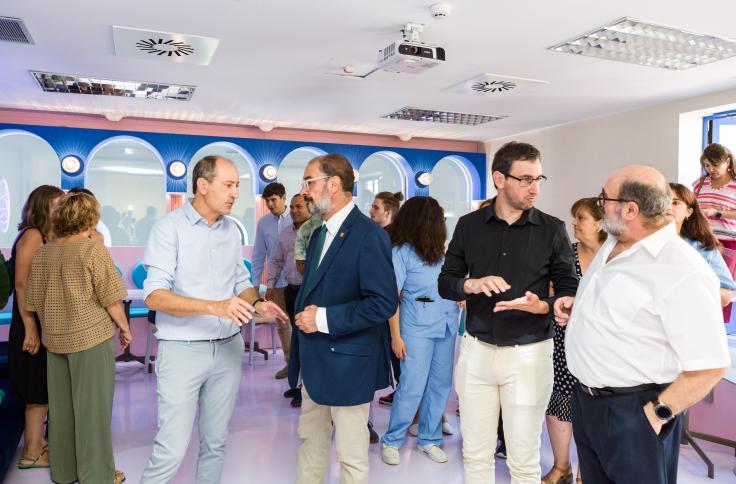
x=445, y=117
x=14, y=30
x=164, y=46
x=494, y=85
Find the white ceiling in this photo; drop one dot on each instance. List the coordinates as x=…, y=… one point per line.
x=272, y=57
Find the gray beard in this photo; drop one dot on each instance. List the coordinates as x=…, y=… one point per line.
x=321, y=207
x=613, y=227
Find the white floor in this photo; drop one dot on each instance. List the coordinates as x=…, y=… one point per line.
x=263, y=441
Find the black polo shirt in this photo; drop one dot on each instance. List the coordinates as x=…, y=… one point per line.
x=527, y=254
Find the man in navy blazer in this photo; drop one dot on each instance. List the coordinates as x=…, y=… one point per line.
x=348, y=294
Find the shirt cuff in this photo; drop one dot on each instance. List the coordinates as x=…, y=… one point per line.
x=322, y=321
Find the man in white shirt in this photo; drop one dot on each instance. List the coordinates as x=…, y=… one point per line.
x=645, y=337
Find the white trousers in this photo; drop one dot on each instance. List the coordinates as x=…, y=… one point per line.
x=517, y=379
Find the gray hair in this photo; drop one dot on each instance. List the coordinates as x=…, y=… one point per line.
x=653, y=200
x=205, y=168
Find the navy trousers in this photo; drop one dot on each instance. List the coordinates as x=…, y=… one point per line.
x=617, y=444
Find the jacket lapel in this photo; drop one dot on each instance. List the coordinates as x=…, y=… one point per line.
x=331, y=254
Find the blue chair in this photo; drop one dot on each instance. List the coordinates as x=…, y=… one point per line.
x=139, y=274
x=120, y=271
x=252, y=348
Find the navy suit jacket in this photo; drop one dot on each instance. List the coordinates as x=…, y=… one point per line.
x=355, y=282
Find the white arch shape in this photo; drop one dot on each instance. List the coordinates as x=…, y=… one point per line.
x=241, y=151
x=132, y=139
x=465, y=173
x=398, y=162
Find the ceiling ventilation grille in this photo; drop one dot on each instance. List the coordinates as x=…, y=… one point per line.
x=14, y=30
x=164, y=47
x=444, y=117
x=494, y=85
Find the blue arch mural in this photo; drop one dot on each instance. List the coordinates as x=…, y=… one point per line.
x=81, y=141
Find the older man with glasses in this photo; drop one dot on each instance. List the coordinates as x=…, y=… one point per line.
x=501, y=260
x=645, y=338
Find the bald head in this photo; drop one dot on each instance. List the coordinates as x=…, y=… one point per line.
x=645, y=186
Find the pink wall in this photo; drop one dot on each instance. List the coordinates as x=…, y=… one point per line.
x=716, y=418
x=93, y=121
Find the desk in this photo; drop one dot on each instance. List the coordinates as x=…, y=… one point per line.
x=135, y=295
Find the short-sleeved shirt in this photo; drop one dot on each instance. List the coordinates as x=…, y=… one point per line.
x=646, y=315
x=69, y=286
x=190, y=258
x=417, y=279
x=722, y=199
x=715, y=260
x=303, y=235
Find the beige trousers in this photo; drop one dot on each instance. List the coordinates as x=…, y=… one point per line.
x=517, y=379
x=351, y=441
x=283, y=330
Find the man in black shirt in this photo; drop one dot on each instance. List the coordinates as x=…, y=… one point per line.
x=502, y=259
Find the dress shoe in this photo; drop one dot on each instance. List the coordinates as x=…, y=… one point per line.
x=296, y=402
x=373, y=436
x=292, y=392
x=282, y=373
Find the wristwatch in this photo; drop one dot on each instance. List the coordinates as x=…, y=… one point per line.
x=662, y=411
x=719, y=214
x=256, y=301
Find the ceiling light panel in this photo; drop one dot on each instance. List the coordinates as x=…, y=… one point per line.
x=72, y=84
x=445, y=117
x=646, y=44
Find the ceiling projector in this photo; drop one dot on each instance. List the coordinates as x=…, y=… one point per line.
x=410, y=55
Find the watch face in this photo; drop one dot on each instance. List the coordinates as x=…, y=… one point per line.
x=663, y=412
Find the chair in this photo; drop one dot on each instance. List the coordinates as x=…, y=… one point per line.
x=139, y=274
x=258, y=321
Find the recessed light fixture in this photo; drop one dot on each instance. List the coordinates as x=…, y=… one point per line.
x=268, y=172
x=177, y=169
x=73, y=84
x=647, y=44
x=424, y=179
x=446, y=117
x=71, y=165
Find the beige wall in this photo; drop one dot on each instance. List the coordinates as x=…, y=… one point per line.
x=578, y=157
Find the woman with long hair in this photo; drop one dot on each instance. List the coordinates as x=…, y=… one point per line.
x=26, y=354
x=423, y=329
x=76, y=292
x=586, y=222
x=716, y=192
x=691, y=224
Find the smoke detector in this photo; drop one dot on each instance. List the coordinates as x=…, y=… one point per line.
x=440, y=10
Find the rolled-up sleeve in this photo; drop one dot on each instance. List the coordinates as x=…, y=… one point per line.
x=160, y=257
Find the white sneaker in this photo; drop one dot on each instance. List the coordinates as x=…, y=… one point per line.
x=447, y=428
x=390, y=455
x=434, y=452
x=413, y=429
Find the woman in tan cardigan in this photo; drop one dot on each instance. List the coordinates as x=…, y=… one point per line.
x=76, y=292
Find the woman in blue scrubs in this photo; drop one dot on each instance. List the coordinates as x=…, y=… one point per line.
x=422, y=331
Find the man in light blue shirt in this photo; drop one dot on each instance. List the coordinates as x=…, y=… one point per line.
x=267, y=234
x=199, y=287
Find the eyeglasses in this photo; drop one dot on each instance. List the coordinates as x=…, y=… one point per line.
x=603, y=198
x=306, y=183
x=526, y=181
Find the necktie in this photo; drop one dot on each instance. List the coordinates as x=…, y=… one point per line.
x=319, y=243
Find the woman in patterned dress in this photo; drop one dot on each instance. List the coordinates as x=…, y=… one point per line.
x=586, y=222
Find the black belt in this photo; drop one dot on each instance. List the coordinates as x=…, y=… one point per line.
x=294, y=287
x=611, y=391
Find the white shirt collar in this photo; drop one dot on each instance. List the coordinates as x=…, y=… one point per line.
x=655, y=241
x=333, y=224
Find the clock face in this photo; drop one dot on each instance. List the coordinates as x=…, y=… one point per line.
x=4, y=206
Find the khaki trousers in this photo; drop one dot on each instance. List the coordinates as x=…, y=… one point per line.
x=351, y=441
x=517, y=379
x=283, y=330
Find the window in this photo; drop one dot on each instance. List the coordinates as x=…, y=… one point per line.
x=127, y=177
x=291, y=169
x=451, y=187
x=380, y=172
x=28, y=161
x=243, y=211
